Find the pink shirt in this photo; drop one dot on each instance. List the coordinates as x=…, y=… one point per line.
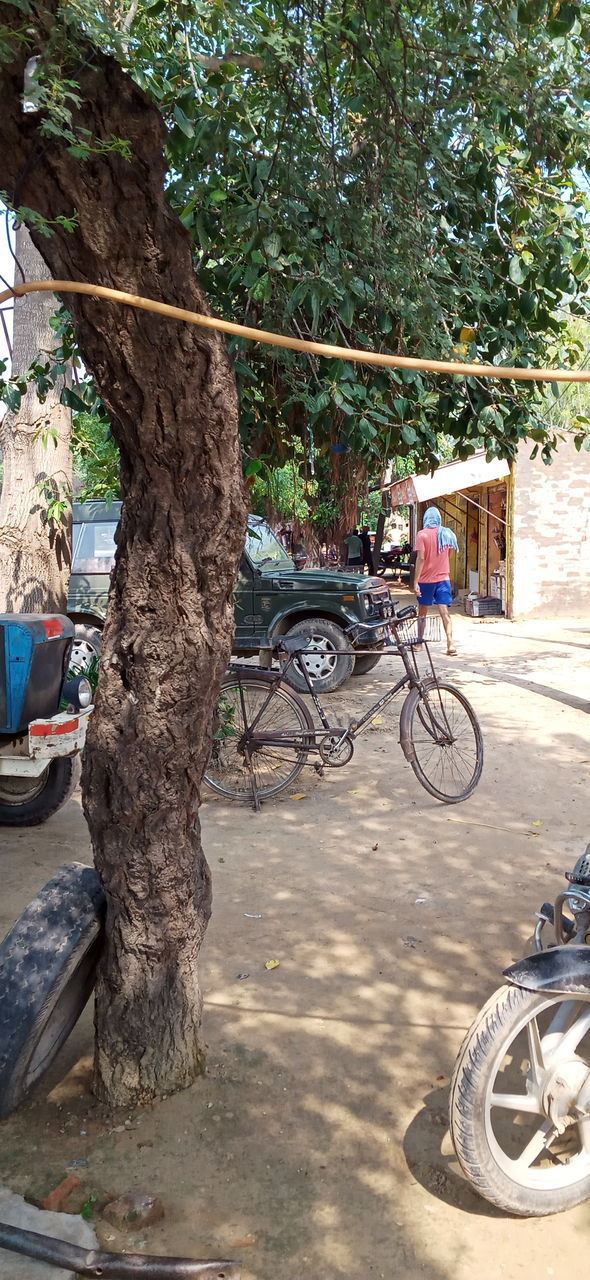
x=436, y=563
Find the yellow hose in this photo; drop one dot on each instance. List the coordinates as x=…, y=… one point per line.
x=298, y=344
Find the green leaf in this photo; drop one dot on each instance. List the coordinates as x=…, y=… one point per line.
x=408, y=434
x=72, y=399
x=563, y=20
x=579, y=262
x=272, y=245
x=515, y=271
x=527, y=303
x=184, y=123
x=315, y=309
x=12, y=397
x=346, y=310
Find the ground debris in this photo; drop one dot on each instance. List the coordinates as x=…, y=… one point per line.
x=134, y=1208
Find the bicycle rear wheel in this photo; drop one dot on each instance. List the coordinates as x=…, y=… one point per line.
x=268, y=757
x=445, y=746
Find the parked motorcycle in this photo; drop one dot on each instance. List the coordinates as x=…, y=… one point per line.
x=520, y=1094
x=396, y=559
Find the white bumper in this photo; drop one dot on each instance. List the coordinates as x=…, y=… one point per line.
x=62, y=735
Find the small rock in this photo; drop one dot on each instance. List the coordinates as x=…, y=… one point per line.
x=132, y=1208
x=245, y=1240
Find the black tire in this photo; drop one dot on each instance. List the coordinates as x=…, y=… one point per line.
x=47, y=973
x=25, y=802
x=227, y=772
x=487, y=1151
x=87, y=645
x=365, y=663
x=425, y=721
x=337, y=666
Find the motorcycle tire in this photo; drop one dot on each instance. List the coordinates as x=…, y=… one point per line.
x=47, y=974
x=489, y=1152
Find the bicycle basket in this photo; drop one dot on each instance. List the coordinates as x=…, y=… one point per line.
x=432, y=631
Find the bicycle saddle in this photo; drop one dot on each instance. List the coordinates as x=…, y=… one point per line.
x=291, y=644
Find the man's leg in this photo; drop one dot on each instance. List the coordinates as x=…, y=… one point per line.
x=447, y=624
x=422, y=612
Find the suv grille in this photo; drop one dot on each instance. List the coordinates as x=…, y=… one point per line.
x=378, y=603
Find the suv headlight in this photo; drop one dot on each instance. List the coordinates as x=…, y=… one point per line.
x=373, y=599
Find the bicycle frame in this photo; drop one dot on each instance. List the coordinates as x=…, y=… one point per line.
x=352, y=731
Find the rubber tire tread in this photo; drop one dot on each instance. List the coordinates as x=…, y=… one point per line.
x=345, y=663
x=466, y=1109
x=60, y=933
x=63, y=776
x=265, y=676
x=422, y=779
x=92, y=635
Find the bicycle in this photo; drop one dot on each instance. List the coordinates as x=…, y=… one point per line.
x=263, y=731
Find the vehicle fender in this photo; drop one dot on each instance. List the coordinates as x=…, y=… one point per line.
x=560, y=970
x=287, y=617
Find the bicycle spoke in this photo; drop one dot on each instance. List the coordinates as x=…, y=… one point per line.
x=447, y=743
x=242, y=762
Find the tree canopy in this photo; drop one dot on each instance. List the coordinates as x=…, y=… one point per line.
x=394, y=176
x=401, y=176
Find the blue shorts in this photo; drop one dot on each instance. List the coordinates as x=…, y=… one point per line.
x=436, y=592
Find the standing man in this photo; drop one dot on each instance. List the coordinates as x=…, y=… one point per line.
x=434, y=544
x=367, y=549
x=354, y=551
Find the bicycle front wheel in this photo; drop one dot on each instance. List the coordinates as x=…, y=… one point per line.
x=261, y=737
x=442, y=739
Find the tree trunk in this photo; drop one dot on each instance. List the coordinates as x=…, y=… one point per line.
x=34, y=545
x=171, y=393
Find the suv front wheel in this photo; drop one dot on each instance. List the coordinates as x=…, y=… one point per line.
x=86, y=646
x=327, y=666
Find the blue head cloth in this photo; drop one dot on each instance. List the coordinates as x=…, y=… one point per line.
x=446, y=538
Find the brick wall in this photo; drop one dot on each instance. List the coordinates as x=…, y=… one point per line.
x=551, y=534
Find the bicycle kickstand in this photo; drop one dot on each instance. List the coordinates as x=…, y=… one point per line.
x=255, y=797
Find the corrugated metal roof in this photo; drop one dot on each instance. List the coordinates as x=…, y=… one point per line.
x=453, y=477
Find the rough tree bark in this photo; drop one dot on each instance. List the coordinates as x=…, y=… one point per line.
x=34, y=548
x=171, y=393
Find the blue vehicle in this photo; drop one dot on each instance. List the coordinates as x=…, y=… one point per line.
x=43, y=717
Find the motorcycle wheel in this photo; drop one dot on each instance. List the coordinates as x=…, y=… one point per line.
x=522, y=1066
x=47, y=973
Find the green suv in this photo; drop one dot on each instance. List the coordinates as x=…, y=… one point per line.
x=272, y=598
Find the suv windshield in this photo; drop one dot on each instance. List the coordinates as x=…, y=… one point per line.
x=94, y=547
x=264, y=550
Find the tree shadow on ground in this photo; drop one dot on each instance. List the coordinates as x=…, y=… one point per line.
x=307, y=1149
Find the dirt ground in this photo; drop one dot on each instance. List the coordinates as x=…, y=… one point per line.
x=317, y=1143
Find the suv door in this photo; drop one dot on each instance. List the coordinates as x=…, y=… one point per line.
x=243, y=604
